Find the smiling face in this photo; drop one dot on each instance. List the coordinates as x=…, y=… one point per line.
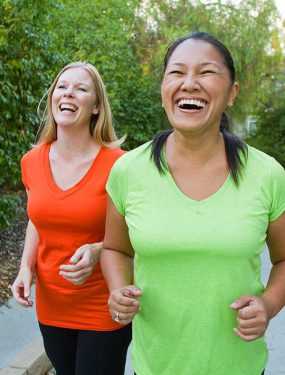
x=74, y=98
x=197, y=87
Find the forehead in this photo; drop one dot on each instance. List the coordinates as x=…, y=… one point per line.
x=194, y=52
x=76, y=75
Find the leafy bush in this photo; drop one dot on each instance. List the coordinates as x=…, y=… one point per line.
x=125, y=40
x=10, y=204
x=270, y=136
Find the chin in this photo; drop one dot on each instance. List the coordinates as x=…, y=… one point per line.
x=65, y=125
x=188, y=127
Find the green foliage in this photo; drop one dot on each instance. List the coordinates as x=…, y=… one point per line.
x=270, y=136
x=236, y=25
x=9, y=204
x=125, y=40
x=103, y=33
x=24, y=77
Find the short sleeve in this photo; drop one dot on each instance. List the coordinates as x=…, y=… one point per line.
x=277, y=191
x=24, y=172
x=117, y=185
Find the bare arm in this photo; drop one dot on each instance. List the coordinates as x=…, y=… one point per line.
x=117, y=255
x=30, y=247
x=22, y=284
x=117, y=267
x=253, y=312
x=274, y=294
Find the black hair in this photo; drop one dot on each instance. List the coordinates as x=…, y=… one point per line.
x=234, y=146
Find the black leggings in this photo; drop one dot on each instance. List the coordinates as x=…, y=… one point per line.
x=79, y=352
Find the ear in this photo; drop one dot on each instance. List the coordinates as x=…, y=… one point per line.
x=95, y=111
x=233, y=94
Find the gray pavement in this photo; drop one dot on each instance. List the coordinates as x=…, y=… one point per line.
x=18, y=327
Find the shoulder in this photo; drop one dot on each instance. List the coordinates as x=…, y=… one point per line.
x=108, y=156
x=262, y=161
x=33, y=154
x=113, y=153
x=263, y=169
x=134, y=158
x=31, y=164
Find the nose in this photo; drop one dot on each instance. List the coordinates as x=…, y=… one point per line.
x=68, y=91
x=190, y=83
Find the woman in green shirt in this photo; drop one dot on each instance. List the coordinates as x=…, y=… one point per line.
x=194, y=208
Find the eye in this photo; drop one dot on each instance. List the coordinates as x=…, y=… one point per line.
x=179, y=72
x=61, y=86
x=208, y=71
x=83, y=89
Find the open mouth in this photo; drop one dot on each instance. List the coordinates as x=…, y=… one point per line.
x=191, y=104
x=65, y=107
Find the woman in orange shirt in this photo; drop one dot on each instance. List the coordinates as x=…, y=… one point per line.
x=65, y=177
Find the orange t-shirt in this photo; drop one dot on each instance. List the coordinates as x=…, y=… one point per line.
x=66, y=220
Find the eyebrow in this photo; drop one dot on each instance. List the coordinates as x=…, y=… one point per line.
x=76, y=83
x=202, y=64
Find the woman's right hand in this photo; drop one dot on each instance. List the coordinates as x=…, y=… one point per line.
x=124, y=303
x=21, y=287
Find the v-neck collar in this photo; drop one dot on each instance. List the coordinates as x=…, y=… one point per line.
x=221, y=189
x=60, y=193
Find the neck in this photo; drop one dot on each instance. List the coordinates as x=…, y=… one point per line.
x=73, y=143
x=195, y=148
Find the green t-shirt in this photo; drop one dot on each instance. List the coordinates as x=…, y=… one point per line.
x=192, y=260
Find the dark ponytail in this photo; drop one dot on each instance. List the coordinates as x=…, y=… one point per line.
x=157, y=144
x=236, y=149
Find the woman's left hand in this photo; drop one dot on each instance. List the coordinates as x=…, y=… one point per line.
x=82, y=263
x=252, y=317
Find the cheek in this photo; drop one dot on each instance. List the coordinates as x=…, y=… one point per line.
x=53, y=104
x=166, y=91
x=54, y=99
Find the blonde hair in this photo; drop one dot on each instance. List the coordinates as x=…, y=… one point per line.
x=101, y=124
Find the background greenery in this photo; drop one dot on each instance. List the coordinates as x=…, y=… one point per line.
x=126, y=40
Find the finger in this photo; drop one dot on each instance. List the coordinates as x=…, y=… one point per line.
x=245, y=337
x=74, y=267
x=241, y=302
x=248, y=312
x=76, y=275
x=77, y=255
x=18, y=294
x=24, y=302
x=76, y=281
x=124, y=309
x=121, y=317
x=251, y=331
x=27, y=289
x=132, y=291
x=71, y=267
x=122, y=300
x=247, y=323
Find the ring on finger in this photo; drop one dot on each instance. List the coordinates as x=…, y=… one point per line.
x=117, y=317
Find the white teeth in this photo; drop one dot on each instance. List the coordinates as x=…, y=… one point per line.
x=197, y=102
x=67, y=106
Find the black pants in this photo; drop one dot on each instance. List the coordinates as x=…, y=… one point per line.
x=76, y=352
